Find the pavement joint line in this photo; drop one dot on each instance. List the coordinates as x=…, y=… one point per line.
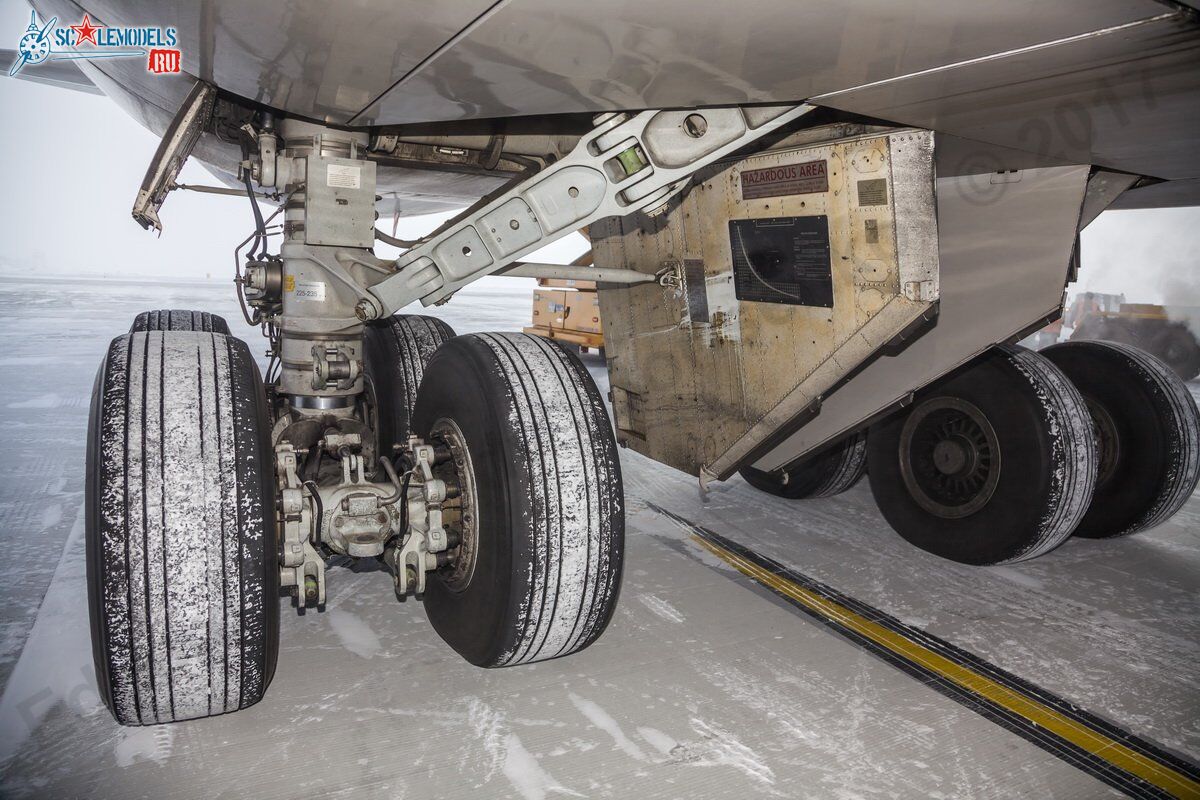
x=1108, y=753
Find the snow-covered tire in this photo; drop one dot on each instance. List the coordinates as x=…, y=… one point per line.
x=182, y=565
x=547, y=534
x=396, y=351
x=179, y=320
x=993, y=465
x=825, y=474
x=1148, y=432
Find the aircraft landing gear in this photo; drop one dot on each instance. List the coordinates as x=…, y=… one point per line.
x=1011, y=455
x=825, y=474
x=529, y=449
x=994, y=465
x=481, y=470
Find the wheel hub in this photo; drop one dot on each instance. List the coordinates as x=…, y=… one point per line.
x=462, y=510
x=952, y=456
x=949, y=457
x=1108, y=443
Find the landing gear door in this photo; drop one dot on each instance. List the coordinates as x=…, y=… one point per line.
x=793, y=267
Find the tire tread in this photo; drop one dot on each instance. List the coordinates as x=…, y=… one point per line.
x=179, y=320
x=176, y=528
x=1074, y=451
x=546, y=382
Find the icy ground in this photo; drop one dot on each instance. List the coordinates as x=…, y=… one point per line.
x=702, y=687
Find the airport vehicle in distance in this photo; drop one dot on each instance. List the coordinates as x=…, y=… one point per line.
x=1166, y=332
x=817, y=229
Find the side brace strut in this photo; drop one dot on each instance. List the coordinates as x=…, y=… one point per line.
x=627, y=163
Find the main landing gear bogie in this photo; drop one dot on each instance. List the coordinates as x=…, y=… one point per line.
x=480, y=470
x=1011, y=455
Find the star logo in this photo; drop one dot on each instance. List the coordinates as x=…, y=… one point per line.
x=85, y=31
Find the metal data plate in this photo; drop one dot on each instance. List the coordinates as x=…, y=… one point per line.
x=339, y=199
x=795, y=265
x=782, y=260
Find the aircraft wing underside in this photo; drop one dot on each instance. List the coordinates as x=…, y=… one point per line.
x=1115, y=83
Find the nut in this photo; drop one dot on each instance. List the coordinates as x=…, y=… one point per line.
x=365, y=310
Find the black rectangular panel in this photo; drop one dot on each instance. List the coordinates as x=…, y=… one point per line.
x=782, y=260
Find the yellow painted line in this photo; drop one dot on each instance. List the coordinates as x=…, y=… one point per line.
x=1066, y=728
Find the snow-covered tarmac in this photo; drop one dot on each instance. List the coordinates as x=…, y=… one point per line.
x=705, y=685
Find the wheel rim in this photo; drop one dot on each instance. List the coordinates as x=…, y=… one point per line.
x=462, y=512
x=1108, y=444
x=370, y=403
x=949, y=457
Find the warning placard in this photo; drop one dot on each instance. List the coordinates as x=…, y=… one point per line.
x=806, y=178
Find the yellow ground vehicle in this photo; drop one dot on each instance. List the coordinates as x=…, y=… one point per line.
x=568, y=311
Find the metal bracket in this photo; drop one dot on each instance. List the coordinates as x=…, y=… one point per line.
x=628, y=163
x=173, y=151
x=301, y=565
x=426, y=534
x=333, y=367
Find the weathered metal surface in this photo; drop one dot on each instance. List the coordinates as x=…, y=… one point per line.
x=701, y=379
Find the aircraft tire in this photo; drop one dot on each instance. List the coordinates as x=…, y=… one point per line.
x=1148, y=435
x=993, y=465
x=395, y=353
x=182, y=568
x=539, y=481
x=179, y=320
x=825, y=474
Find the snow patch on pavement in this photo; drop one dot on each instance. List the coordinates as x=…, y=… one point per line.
x=720, y=748
x=152, y=743
x=660, y=741
x=526, y=774
x=354, y=634
x=52, y=516
x=662, y=608
x=602, y=720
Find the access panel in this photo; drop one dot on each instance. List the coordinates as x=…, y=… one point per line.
x=789, y=269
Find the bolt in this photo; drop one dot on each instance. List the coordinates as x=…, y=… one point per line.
x=311, y=592
x=339, y=522
x=381, y=516
x=512, y=223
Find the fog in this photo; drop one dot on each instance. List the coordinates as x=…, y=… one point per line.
x=1150, y=256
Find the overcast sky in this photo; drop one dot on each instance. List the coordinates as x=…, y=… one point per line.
x=72, y=163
